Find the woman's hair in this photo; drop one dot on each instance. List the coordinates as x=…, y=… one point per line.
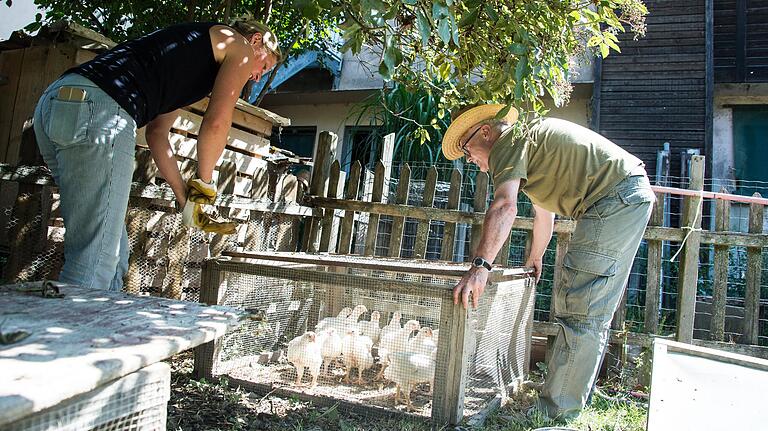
x=247, y=26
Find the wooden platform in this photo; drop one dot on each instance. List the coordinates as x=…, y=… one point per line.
x=89, y=337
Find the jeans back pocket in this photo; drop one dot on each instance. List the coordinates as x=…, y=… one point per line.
x=68, y=121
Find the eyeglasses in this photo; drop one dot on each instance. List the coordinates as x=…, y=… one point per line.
x=464, y=146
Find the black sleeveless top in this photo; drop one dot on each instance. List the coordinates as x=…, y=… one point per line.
x=157, y=73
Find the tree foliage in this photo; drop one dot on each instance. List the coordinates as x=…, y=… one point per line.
x=503, y=51
x=457, y=52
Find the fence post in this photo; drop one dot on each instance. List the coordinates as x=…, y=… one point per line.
x=449, y=233
x=422, y=231
x=324, y=156
x=689, y=262
x=653, y=269
x=401, y=198
x=379, y=179
x=353, y=188
x=754, y=273
x=328, y=218
x=720, y=283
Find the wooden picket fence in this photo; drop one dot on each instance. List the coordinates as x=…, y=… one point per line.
x=342, y=209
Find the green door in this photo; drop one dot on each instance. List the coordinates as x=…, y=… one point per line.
x=750, y=147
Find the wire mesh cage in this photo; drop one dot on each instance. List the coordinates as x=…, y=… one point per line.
x=136, y=402
x=376, y=335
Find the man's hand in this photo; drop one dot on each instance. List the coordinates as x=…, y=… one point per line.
x=536, y=265
x=473, y=282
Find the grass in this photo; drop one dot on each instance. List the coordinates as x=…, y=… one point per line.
x=200, y=405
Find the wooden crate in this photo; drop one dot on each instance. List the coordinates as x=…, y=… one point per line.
x=481, y=356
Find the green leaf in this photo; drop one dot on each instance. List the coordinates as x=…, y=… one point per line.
x=470, y=18
x=309, y=8
x=454, y=30
x=518, y=49
x=604, y=50
x=425, y=27
x=325, y=4
x=444, y=30
x=411, y=2
x=504, y=111
x=491, y=12
x=384, y=71
x=521, y=69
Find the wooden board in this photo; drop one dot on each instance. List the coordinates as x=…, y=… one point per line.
x=254, y=145
x=416, y=266
x=90, y=337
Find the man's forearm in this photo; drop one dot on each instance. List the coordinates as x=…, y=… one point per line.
x=543, y=225
x=496, y=227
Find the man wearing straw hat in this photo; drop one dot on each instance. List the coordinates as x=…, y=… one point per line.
x=569, y=170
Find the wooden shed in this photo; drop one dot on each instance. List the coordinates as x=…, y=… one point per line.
x=27, y=66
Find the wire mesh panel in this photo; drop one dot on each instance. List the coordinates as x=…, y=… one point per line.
x=136, y=402
x=372, y=334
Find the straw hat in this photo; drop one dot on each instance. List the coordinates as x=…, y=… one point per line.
x=462, y=123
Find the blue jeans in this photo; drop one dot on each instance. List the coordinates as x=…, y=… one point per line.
x=89, y=146
x=595, y=271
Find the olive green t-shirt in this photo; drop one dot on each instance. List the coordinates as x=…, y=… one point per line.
x=564, y=168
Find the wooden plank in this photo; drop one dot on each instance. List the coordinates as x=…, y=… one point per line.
x=318, y=186
x=254, y=145
x=118, y=334
x=415, y=266
x=451, y=364
x=10, y=67
x=212, y=291
x=373, y=219
x=689, y=262
x=240, y=118
x=449, y=233
x=398, y=223
x=653, y=270
x=428, y=199
x=753, y=279
x=31, y=86
x=186, y=147
x=327, y=223
x=288, y=233
x=480, y=205
x=353, y=188
x=720, y=282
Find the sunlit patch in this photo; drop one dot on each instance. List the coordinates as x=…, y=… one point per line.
x=221, y=45
x=177, y=306
x=57, y=330
x=149, y=315
x=79, y=300
x=123, y=302
x=100, y=299
x=227, y=32
x=100, y=341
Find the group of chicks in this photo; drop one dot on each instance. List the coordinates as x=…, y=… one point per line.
x=346, y=341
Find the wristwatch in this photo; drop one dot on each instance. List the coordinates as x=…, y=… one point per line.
x=479, y=262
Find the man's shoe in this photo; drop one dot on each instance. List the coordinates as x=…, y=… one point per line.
x=201, y=192
x=194, y=216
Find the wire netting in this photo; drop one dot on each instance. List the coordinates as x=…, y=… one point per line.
x=136, y=402
x=353, y=335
